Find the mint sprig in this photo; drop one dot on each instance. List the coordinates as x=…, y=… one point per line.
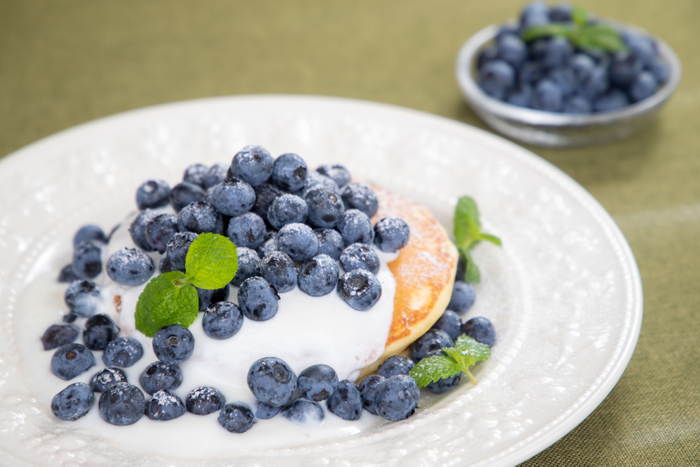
x=580, y=33
x=466, y=352
x=468, y=234
x=171, y=298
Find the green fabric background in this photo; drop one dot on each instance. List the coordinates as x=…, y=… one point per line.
x=67, y=62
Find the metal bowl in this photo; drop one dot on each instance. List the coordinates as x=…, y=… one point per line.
x=555, y=129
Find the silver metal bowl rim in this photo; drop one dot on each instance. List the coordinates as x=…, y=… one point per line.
x=482, y=101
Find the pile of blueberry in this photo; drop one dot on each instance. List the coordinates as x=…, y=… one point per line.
x=553, y=75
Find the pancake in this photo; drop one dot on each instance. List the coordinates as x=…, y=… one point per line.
x=424, y=271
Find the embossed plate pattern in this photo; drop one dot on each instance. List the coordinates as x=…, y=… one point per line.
x=564, y=292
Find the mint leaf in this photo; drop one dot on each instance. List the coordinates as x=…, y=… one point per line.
x=538, y=32
x=432, y=369
x=211, y=261
x=471, y=271
x=579, y=16
x=468, y=346
x=468, y=234
x=167, y=299
x=466, y=353
x=600, y=37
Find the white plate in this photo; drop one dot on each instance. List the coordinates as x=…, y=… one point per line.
x=564, y=292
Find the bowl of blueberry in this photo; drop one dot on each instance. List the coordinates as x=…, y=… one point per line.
x=558, y=76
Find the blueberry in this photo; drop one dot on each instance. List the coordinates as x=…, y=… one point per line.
x=428, y=342
x=103, y=379
x=265, y=194
x=564, y=78
x=450, y=323
x=298, y=241
x=642, y=47
x=463, y=297
x=287, y=209
x=558, y=52
x=272, y=381
x=159, y=375
x=338, y=173
x=67, y=274
x=314, y=180
x=319, y=275
x=512, y=50
x=258, y=299
x=360, y=289
x=247, y=230
x=215, y=174
x=355, y=227
x=122, y=352
x=397, y=398
x=200, y=217
x=173, y=344
x=70, y=317
x=345, y=402
x=164, y=265
x=248, y=265
x=99, y=331
x=532, y=18
x=73, y=402
x=204, y=400
x=521, y=95
x=137, y=229
x=185, y=193
x=506, y=30
x=444, y=384
x=236, y=418
x=548, y=96
x=360, y=256
x=222, y=320
x=391, y=234
x=87, y=259
x=316, y=383
x=164, y=405
x=152, y=194
x=660, y=70
x=160, y=230
x=71, y=360
x=496, y=78
x=303, y=412
x=486, y=55
x=325, y=207
x=577, y=104
x=253, y=165
x=561, y=13
x=208, y=297
x=279, y=270
x=624, y=68
x=613, y=100
x=481, y=329
x=83, y=297
x=122, y=404
x=582, y=65
x=596, y=84
x=233, y=197
x=264, y=411
x=177, y=249
x=58, y=335
x=129, y=266
x=195, y=174
x=330, y=243
x=368, y=392
x=396, y=365
x=89, y=232
x=530, y=73
x=269, y=245
x=289, y=172
x=643, y=86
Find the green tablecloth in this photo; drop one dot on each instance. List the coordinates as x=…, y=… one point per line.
x=64, y=63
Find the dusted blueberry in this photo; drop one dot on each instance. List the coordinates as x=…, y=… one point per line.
x=391, y=234
x=215, y=175
x=73, y=402
x=287, y=209
x=82, y=297
x=122, y=352
x=558, y=52
x=338, y=173
x=315, y=179
x=233, y=197
x=444, y=384
x=325, y=207
x=428, y=342
x=450, y=323
x=177, y=249
x=160, y=230
x=248, y=265
x=253, y=164
x=173, y=344
x=269, y=245
x=496, y=78
x=548, y=96
x=236, y=418
x=303, y=412
x=165, y=265
x=71, y=360
x=397, y=398
x=200, y=217
x=152, y=194
x=298, y=241
x=355, y=227
x=208, y=297
x=247, y=230
x=624, y=68
x=395, y=365
x=264, y=411
x=643, y=86
x=481, y=329
x=463, y=297
x=279, y=270
x=345, y=402
x=185, y=193
x=222, y=320
x=368, y=392
x=512, y=50
x=137, y=229
x=330, y=243
x=67, y=274
x=272, y=381
x=258, y=299
x=89, y=232
x=577, y=105
x=105, y=378
x=360, y=289
x=360, y=256
x=362, y=197
x=195, y=174
x=129, y=266
x=289, y=172
x=319, y=275
x=204, y=400
x=164, y=405
x=265, y=194
x=317, y=382
x=122, y=404
x=58, y=335
x=159, y=375
x=99, y=331
x=613, y=100
x=87, y=259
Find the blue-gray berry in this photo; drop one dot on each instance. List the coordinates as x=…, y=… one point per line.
x=395, y=365
x=317, y=382
x=397, y=398
x=159, y=375
x=204, y=400
x=99, y=331
x=152, y=194
x=122, y=404
x=391, y=234
x=319, y=275
x=73, y=402
x=222, y=320
x=298, y=241
x=200, y=217
x=247, y=230
x=289, y=172
x=272, y=381
x=87, y=259
x=103, y=379
x=345, y=402
x=122, y=352
x=130, y=266
x=279, y=270
x=173, y=344
x=71, y=360
x=236, y=418
x=258, y=299
x=58, y=335
x=164, y=405
x=253, y=164
x=303, y=412
x=360, y=289
x=360, y=256
x=233, y=197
